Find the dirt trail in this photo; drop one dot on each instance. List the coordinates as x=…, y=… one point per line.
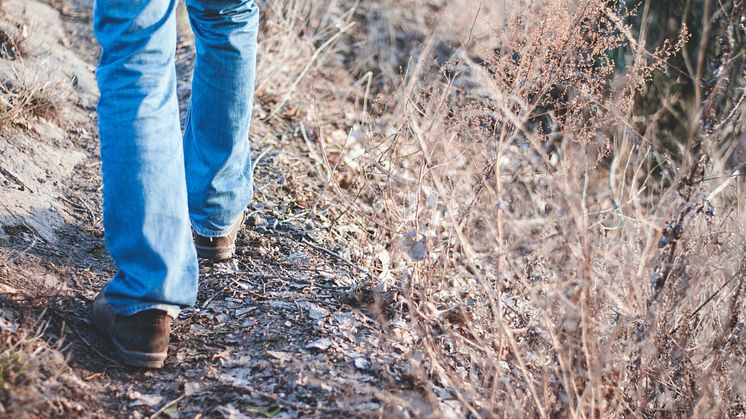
x=286, y=329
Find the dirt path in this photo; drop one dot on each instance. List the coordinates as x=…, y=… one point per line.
x=286, y=329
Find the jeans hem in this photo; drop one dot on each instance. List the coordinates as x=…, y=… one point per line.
x=171, y=310
x=212, y=233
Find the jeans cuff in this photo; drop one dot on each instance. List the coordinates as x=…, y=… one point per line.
x=171, y=310
x=210, y=233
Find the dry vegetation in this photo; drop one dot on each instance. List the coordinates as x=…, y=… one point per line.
x=26, y=92
x=34, y=376
x=546, y=205
x=552, y=245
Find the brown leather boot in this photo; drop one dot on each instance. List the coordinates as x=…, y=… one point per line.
x=140, y=340
x=219, y=249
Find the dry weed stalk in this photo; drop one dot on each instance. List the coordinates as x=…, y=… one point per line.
x=529, y=219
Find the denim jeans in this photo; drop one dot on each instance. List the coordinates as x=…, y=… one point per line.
x=158, y=184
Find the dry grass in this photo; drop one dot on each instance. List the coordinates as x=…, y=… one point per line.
x=536, y=244
x=26, y=95
x=26, y=92
x=550, y=254
x=35, y=380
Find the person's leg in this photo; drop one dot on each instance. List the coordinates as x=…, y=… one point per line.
x=216, y=138
x=146, y=218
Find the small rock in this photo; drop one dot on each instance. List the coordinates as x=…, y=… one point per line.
x=362, y=364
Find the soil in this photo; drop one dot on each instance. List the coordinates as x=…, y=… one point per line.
x=288, y=328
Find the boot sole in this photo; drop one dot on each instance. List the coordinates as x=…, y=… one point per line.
x=150, y=360
x=213, y=254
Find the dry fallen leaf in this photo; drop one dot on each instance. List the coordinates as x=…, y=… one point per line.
x=139, y=399
x=238, y=377
x=191, y=388
x=317, y=313
x=282, y=356
x=321, y=344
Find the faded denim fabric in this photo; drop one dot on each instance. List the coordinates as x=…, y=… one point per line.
x=158, y=184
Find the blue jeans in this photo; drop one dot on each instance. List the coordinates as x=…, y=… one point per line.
x=159, y=185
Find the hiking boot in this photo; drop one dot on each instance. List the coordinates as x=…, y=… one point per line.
x=219, y=249
x=140, y=340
